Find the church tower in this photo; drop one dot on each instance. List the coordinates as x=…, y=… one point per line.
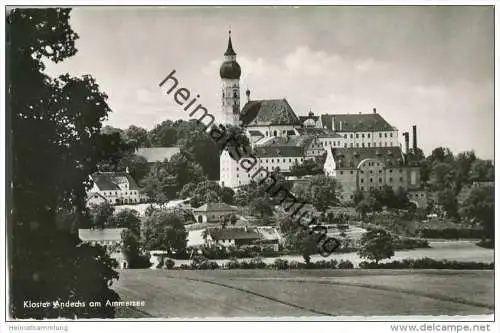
x=230, y=73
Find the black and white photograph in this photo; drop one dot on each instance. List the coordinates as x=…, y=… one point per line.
x=250, y=163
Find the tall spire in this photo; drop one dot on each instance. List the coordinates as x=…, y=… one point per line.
x=230, y=51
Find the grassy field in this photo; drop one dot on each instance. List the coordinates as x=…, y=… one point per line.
x=265, y=293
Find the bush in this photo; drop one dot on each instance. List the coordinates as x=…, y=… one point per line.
x=426, y=263
x=450, y=233
x=160, y=263
x=345, y=264
x=140, y=261
x=281, y=264
x=232, y=264
x=169, y=263
x=486, y=243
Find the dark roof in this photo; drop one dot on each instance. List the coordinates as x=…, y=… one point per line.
x=215, y=207
x=109, y=181
x=230, y=51
x=349, y=158
x=107, y=234
x=268, y=112
x=233, y=233
x=157, y=154
x=294, y=146
x=356, y=122
x=304, y=118
x=230, y=70
x=255, y=133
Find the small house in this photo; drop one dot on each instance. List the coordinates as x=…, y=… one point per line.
x=213, y=212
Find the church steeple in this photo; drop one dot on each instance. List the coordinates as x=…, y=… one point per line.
x=230, y=51
x=230, y=73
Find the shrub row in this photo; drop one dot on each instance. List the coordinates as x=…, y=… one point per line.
x=410, y=243
x=427, y=263
x=449, y=233
x=279, y=264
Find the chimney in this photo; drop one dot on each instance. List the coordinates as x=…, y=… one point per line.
x=407, y=142
x=415, y=138
x=333, y=123
x=340, y=126
x=374, y=110
x=248, y=95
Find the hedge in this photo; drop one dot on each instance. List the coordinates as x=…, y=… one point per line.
x=450, y=233
x=426, y=263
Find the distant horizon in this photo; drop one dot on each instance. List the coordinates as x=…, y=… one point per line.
x=428, y=66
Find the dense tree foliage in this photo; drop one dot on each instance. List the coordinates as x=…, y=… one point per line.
x=321, y=191
x=166, y=179
x=308, y=167
x=480, y=207
x=100, y=215
x=56, y=143
x=205, y=192
x=376, y=244
x=164, y=231
x=261, y=207
x=127, y=218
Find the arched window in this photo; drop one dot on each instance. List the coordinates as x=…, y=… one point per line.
x=275, y=133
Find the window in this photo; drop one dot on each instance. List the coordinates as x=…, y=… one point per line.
x=237, y=169
x=390, y=134
x=345, y=145
x=390, y=170
x=380, y=180
x=400, y=179
x=333, y=143
x=363, y=135
x=363, y=145
x=371, y=171
x=352, y=172
x=267, y=133
x=362, y=180
x=362, y=188
x=351, y=144
x=341, y=172
x=385, y=135
x=284, y=160
x=368, y=135
x=361, y=171
x=272, y=160
x=345, y=136
x=390, y=179
x=386, y=143
x=290, y=160
x=351, y=136
x=357, y=136
x=368, y=144
x=380, y=135
x=338, y=143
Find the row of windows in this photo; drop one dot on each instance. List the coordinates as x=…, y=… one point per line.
x=380, y=180
x=367, y=135
x=266, y=160
x=116, y=193
x=391, y=144
x=371, y=171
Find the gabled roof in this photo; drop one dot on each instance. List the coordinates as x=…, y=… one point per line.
x=107, y=234
x=268, y=112
x=256, y=133
x=349, y=158
x=157, y=154
x=366, y=122
x=294, y=146
x=215, y=207
x=233, y=233
x=109, y=181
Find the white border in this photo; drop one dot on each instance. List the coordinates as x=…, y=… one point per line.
x=382, y=324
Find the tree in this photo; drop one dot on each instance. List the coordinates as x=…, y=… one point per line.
x=164, y=231
x=138, y=136
x=56, y=144
x=480, y=206
x=482, y=171
x=137, y=166
x=308, y=167
x=376, y=244
x=101, y=215
x=443, y=176
x=321, y=191
x=206, y=191
x=448, y=201
x=307, y=245
x=261, y=206
x=127, y=218
x=131, y=250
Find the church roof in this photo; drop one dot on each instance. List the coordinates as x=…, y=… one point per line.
x=367, y=122
x=349, y=158
x=268, y=112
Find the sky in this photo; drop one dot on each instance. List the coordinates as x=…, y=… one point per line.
x=427, y=66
